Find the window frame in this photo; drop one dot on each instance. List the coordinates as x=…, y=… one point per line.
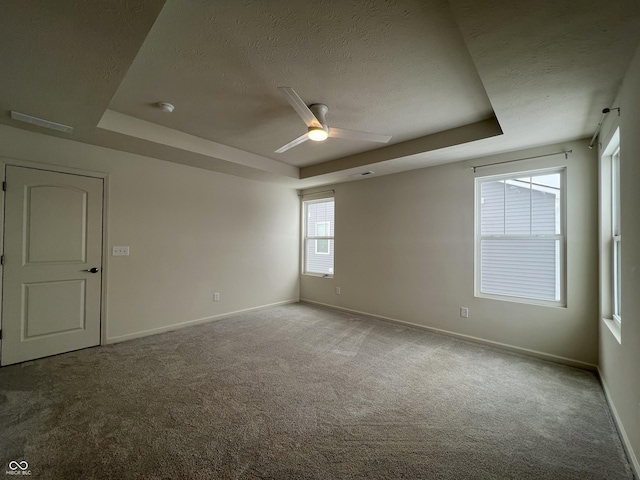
x=608, y=225
x=561, y=264
x=306, y=238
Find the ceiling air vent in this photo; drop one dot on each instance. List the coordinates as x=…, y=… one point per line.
x=41, y=123
x=363, y=174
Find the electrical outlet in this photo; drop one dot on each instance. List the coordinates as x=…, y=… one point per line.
x=216, y=297
x=464, y=312
x=337, y=290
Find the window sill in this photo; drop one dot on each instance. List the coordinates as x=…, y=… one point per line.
x=526, y=301
x=614, y=328
x=319, y=275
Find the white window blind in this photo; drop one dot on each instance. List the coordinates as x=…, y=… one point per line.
x=520, y=237
x=318, y=237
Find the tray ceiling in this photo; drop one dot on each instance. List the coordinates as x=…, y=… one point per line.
x=449, y=80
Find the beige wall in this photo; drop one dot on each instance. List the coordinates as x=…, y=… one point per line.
x=620, y=362
x=191, y=233
x=404, y=250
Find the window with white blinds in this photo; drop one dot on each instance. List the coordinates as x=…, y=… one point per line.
x=319, y=216
x=616, y=261
x=520, y=238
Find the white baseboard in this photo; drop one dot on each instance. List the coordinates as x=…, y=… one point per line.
x=623, y=434
x=525, y=351
x=191, y=323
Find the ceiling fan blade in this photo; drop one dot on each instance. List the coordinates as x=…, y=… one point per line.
x=300, y=107
x=293, y=143
x=356, y=135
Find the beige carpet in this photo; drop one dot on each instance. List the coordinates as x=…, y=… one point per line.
x=299, y=392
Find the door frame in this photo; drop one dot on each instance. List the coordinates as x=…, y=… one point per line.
x=7, y=161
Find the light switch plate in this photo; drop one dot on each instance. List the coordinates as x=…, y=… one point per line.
x=120, y=251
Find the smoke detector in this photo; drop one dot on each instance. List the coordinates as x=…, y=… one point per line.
x=166, y=107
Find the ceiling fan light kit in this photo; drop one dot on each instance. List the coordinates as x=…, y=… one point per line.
x=317, y=134
x=314, y=116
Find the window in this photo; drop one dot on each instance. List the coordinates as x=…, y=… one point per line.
x=318, y=236
x=616, y=238
x=520, y=239
x=615, y=234
x=610, y=237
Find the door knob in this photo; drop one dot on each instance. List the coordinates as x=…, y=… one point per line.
x=92, y=270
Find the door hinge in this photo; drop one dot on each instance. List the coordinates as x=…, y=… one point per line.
x=4, y=186
x=1, y=259
x=0, y=334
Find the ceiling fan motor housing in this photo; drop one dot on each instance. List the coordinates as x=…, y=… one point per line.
x=320, y=110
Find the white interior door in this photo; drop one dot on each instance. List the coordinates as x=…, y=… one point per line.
x=52, y=241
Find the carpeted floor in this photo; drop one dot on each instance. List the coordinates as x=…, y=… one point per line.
x=300, y=392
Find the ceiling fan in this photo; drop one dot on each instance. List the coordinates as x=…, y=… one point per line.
x=318, y=130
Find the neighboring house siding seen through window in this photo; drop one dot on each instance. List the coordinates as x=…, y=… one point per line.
x=520, y=237
x=318, y=236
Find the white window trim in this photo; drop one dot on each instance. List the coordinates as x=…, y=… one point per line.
x=610, y=237
x=305, y=238
x=562, y=237
x=615, y=329
x=607, y=237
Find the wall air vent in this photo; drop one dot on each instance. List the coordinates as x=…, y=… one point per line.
x=41, y=123
x=363, y=174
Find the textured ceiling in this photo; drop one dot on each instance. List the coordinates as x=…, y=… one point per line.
x=375, y=64
x=64, y=60
x=449, y=80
